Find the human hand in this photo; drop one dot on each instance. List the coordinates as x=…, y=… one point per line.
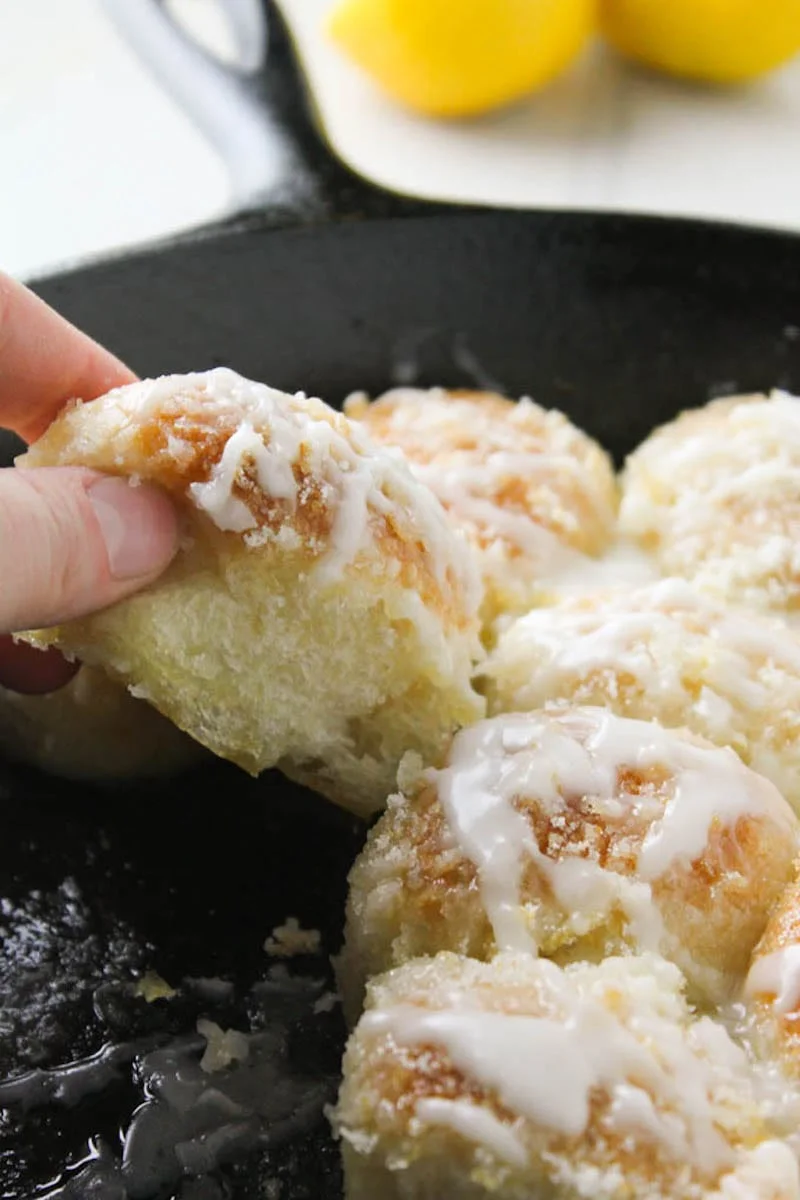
x=71, y=540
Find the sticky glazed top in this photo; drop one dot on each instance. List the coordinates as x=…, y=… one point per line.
x=272, y=469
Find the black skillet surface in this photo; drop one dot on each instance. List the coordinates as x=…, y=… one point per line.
x=619, y=321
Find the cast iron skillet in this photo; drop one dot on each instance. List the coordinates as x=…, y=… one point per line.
x=619, y=321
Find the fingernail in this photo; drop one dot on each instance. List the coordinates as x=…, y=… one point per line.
x=138, y=527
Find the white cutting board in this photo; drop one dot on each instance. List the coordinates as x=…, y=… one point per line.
x=605, y=136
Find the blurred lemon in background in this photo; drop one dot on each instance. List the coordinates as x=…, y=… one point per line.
x=455, y=58
x=716, y=41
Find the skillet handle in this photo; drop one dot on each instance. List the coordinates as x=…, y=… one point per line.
x=255, y=112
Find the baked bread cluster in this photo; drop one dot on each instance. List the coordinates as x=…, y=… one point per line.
x=572, y=952
x=572, y=948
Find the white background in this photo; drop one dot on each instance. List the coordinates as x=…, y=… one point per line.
x=93, y=155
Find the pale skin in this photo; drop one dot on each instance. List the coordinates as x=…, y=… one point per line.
x=72, y=541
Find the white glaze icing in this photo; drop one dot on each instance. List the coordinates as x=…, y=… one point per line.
x=215, y=496
x=536, y=1066
x=656, y=1075
x=718, y=493
x=276, y=436
x=615, y=633
x=543, y=548
x=767, y=1172
x=623, y=564
x=710, y=454
x=632, y=1111
x=543, y=758
x=677, y=653
x=776, y=974
x=292, y=430
x=491, y=833
x=475, y=1124
x=469, y=451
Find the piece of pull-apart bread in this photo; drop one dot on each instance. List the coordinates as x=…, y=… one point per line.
x=715, y=496
x=322, y=614
x=574, y=834
x=536, y=496
x=95, y=731
x=519, y=1078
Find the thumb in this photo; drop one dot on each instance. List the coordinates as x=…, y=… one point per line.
x=73, y=541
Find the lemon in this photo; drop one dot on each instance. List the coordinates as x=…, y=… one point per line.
x=716, y=41
x=454, y=58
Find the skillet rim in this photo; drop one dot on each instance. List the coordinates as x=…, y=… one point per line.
x=281, y=221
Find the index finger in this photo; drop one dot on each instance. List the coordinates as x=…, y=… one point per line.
x=45, y=361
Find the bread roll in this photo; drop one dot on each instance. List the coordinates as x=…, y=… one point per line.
x=520, y=1079
x=536, y=496
x=715, y=494
x=93, y=730
x=322, y=614
x=574, y=834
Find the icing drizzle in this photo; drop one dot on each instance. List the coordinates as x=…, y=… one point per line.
x=544, y=758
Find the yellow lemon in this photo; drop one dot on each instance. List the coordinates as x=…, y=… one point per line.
x=461, y=57
x=716, y=41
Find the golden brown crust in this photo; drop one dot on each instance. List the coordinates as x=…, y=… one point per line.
x=784, y=925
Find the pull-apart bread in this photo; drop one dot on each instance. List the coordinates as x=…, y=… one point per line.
x=322, y=613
